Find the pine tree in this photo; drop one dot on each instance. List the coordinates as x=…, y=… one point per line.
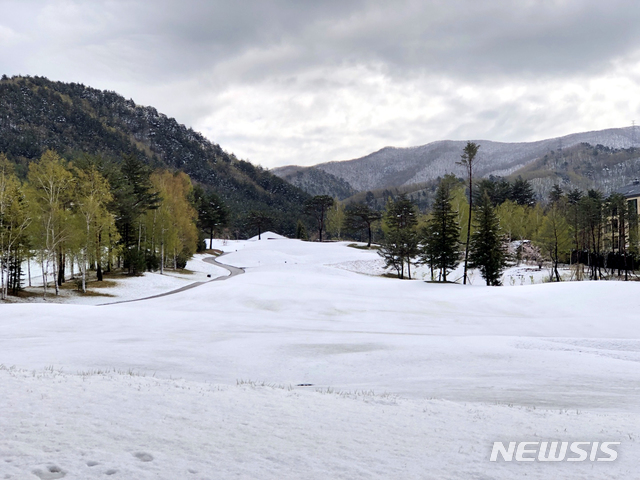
x=522, y=192
x=259, y=220
x=301, y=231
x=556, y=193
x=401, y=240
x=486, y=252
x=213, y=214
x=361, y=217
x=133, y=196
x=467, y=160
x=440, y=236
x=317, y=208
x=14, y=219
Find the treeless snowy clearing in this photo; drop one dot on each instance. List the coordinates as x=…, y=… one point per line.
x=405, y=379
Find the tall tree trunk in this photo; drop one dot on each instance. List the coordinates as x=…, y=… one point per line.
x=60, y=265
x=2, y=262
x=109, y=252
x=44, y=277
x=56, y=269
x=466, y=249
x=99, y=257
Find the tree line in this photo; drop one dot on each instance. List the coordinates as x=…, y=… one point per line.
x=475, y=222
x=97, y=215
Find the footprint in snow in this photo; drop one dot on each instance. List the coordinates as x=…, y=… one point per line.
x=52, y=472
x=111, y=472
x=143, y=457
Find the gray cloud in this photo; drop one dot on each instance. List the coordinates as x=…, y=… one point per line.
x=304, y=82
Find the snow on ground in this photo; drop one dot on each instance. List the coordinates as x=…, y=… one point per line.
x=453, y=369
x=512, y=276
x=131, y=288
x=121, y=426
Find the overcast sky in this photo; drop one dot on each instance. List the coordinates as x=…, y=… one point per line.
x=303, y=82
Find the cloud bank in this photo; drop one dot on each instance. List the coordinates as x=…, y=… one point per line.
x=282, y=82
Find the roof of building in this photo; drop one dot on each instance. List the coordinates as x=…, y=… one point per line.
x=632, y=190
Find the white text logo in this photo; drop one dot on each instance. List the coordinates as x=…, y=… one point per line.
x=555, y=451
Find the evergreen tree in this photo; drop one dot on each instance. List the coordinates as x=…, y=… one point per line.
x=317, y=208
x=361, y=217
x=259, y=220
x=133, y=196
x=398, y=249
x=301, y=231
x=556, y=193
x=440, y=236
x=213, y=214
x=14, y=219
x=498, y=189
x=467, y=160
x=486, y=252
x=522, y=192
x=401, y=240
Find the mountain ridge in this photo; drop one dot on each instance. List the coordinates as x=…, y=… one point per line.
x=397, y=166
x=38, y=114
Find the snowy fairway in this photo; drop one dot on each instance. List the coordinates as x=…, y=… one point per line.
x=453, y=369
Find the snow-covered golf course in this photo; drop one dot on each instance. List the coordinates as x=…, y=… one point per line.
x=301, y=368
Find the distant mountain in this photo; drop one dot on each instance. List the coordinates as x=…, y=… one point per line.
x=583, y=166
x=36, y=114
x=396, y=167
x=315, y=181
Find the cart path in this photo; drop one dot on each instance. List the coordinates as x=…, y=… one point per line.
x=233, y=271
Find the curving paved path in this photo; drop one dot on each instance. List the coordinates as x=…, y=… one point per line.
x=233, y=271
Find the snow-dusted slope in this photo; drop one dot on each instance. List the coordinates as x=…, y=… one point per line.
x=462, y=367
x=404, y=166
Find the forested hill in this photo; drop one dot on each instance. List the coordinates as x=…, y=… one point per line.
x=38, y=114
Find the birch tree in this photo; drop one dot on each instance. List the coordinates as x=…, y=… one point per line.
x=52, y=184
x=92, y=197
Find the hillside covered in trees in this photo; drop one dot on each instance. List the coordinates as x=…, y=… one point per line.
x=37, y=114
